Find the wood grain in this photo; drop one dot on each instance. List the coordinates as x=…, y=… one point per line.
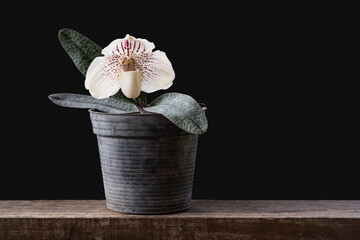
x=206, y=219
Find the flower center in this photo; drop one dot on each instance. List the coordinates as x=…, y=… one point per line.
x=129, y=65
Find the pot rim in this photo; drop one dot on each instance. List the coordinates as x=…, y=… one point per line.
x=95, y=111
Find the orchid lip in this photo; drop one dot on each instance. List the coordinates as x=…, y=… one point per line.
x=130, y=84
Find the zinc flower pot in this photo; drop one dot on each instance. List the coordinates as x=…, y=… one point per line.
x=147, y=162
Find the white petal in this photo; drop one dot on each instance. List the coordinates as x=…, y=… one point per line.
x=130, y=83
x=145, y=47
x=102, y=77
x=157, y=73
x=128, y=46
x=111, y=47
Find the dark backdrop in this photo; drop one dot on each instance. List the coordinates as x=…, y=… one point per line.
x=281, y=114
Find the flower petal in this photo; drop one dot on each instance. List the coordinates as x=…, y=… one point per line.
x=102, y=77
x=128, y=46
x=157, y=72
x=109, y=50
x=142, y=46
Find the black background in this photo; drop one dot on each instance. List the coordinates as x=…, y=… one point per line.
x=275, y=81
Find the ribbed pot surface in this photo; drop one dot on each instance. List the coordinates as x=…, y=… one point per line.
x=147, y=162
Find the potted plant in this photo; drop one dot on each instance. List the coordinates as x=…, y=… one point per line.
x=147, y=151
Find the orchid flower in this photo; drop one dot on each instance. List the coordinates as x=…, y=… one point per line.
x=129, y=64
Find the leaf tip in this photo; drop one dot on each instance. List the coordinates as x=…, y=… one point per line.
x=63, y=32
x=52, y=97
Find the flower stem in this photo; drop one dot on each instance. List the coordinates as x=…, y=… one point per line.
x=141, y=101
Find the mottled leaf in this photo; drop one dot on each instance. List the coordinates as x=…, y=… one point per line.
x=182, y=110
x=108, y=105
x=80, y=49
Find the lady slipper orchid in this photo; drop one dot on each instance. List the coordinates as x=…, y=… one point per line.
x=129, y=64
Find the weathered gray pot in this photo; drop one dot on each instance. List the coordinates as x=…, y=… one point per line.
x=147, y=162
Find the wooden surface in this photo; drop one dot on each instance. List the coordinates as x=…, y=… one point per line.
x=206, y=219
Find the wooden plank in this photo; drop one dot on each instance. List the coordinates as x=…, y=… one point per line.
x=207, y=219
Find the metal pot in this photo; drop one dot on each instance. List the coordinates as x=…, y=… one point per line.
x=147, y=162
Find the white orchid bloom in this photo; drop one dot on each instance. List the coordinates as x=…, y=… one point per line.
x=129, y=64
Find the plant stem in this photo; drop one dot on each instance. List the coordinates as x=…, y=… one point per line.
x=141, y=101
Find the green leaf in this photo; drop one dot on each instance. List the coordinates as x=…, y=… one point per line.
x=182, y=110
x=114, y=105
x=80, y=49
